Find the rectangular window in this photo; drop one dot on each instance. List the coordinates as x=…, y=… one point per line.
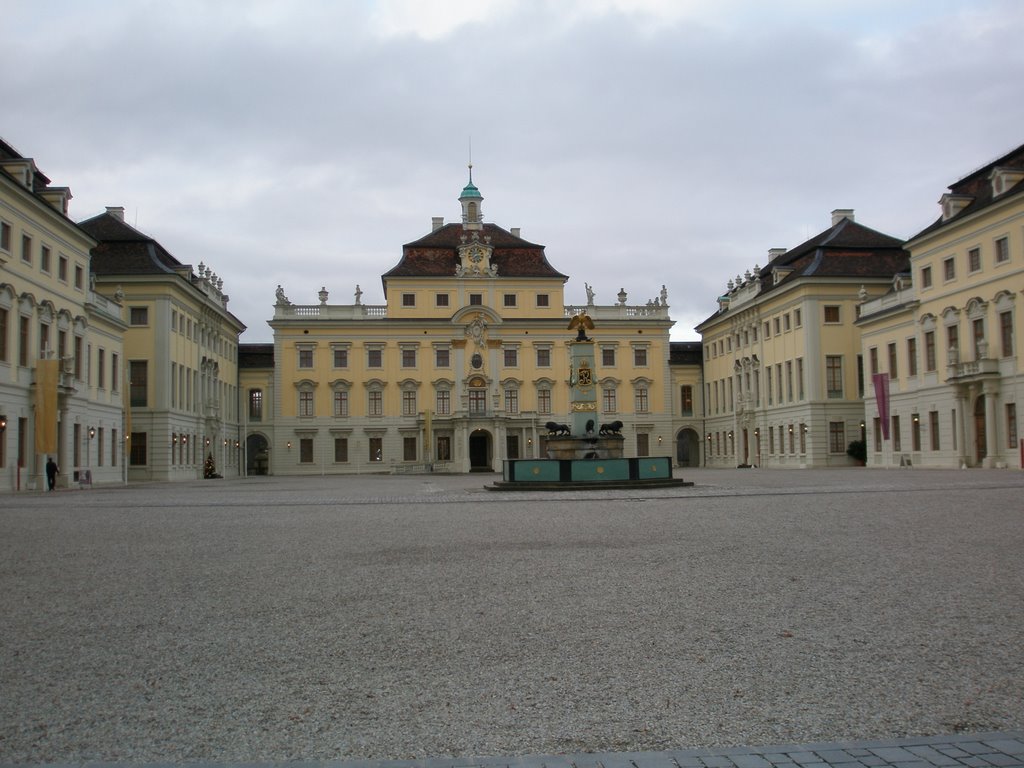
x=926, y=277
x=23, y=334
x=911, y=357
x=785, y=322
x=374, y=357
x=802, y=429
x=138, y=315
x=44, y=258
x=476, y=299
x=443, y=450
x=5, y=236
x=443, y=402
x=512, y=446
x=897, y=442
x=1005, y=333
x=101, y=369
x=641, y=399
x=789, y=381
x=375, y=403
x=4, y=318
x=800, y=378
x=544, y=401
x=376, y=446
x=255, y=405
x=952, y=415
x=341, y=403
x=341, y=450
x=608, y=357
x=408, y=357
x=642, y=444
x=873, y=360
x=409, y=402
x=953, y=338
x=771, y=440
x=949, y=269
x=62, y=268
x=933, y=429
x=768, y=382
x=876, y=425
x=1011, y=425
x=836, y=437
x=512, y=401
x=542, y=300
x=893, y=373
x=79, y=277
x=834, y=376
x=306, y=403
x=26, y=249
x=1002, y=250
x=832, y=313
x=640, y=357
x=409, y=448
x=341, y=358
x=929, y=350
x=686, y=399
x=305, y=358
x=114, y=447
x=441, y=300
x=137, y=453
x=138, y=374
x=978, y=332
x=974, y=260
x=608, y=400
x=510, y=299
x=915, y=432
x=306, y=450
x=442, y=357
x=792, y=446
x=408, y=299
x=543, y=357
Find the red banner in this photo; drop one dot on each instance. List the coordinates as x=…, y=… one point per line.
x=881, y=381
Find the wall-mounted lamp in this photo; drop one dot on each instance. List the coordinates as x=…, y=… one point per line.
x=289, y=445
x=862, y=425
x=92, y=432
x=806, y=429
x=709, y=437
x=184, y=439
x=3, y=423
x=174, y=439
x=757, y=432
x=529, y=441
x=659, y=439
x=207, y=442
x=225, y=442
x=236, y=443
x=916, y=419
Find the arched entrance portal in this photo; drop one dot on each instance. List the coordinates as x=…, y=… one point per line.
x=980, y=448
x=257, y=455
x=687, y=448
x=480, y=451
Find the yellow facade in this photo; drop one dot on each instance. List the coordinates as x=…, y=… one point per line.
x=946, y=335
x=181, y=355
x=462, y=367
x=782, y=354
x=50, y=312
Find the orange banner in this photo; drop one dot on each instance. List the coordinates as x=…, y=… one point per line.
x=47, y=373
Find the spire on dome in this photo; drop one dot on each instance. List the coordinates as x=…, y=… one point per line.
x=472, y=215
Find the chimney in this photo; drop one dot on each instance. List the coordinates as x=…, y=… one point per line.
x=116, y=211
x=842, y=213
x=515, y=231
x=774, y=253
x=436, y=223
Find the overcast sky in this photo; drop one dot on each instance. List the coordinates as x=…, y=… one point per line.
x=643, y=142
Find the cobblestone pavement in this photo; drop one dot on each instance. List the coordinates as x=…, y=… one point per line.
x=853, y=617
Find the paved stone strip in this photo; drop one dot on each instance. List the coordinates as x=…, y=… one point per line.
x=978, y=750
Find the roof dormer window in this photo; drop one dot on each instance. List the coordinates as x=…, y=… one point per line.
x=952, y=204
x=1004, y=179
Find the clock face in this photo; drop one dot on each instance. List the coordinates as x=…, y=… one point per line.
x=475, y=255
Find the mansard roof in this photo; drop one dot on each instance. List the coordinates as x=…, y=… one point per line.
x=977, y=186
x=845, y=250
x=124, y=250
x=437, y=254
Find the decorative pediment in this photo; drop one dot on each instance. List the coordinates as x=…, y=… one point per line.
x=475, y=259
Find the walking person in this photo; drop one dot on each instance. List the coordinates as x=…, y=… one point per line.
x=51, y=473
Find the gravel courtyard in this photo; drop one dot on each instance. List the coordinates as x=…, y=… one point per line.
x=411, y=616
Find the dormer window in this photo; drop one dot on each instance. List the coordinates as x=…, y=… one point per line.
x=1004, y=179
x=953, y=204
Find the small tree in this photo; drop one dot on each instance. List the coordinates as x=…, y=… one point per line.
x=858, y=450
x=209, y=467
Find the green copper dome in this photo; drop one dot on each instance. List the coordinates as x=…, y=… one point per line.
x=470, y=190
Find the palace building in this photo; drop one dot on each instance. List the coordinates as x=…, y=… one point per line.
x=943, y=377
x=782, y=365
x=61, y=358
x=461, y=368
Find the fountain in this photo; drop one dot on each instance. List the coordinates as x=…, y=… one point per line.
x=583, y=453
